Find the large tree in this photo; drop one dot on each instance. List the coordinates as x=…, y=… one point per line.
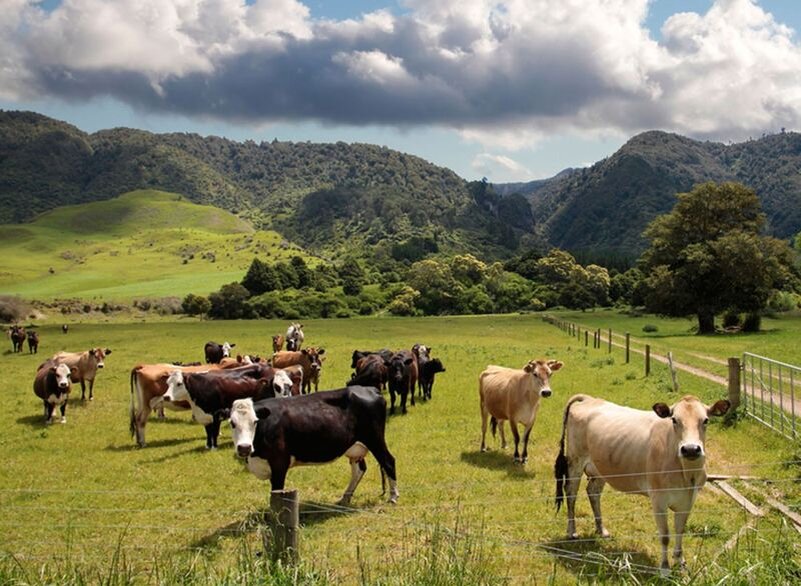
x=708, y=255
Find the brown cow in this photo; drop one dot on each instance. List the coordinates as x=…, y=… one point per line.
x=278, y=343
x=658, y=453
x=514, y=395
x=310, y=359
x=17, y=335
x=33, y=342
x=52, y=386
x=84, y=366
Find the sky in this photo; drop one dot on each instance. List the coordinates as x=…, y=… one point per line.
x=511, y=90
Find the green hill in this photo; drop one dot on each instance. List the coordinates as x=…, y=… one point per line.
x=141, y=244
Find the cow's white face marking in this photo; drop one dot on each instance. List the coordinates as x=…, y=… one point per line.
x=282, y=384
x=226, y=349
x=243, y=427
x=176, y=389
x=62, y=372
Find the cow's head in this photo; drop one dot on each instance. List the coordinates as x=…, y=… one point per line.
x=282, y=384
x=435, y=366
x=689, y=418
x=398, y=366
x=62, y=372
x=355, y=357
x=226, y=349
x=421, y=350
x=316, y=357
x=176, y=387
x=99, y=356
x=244, y=418
x=540, y=371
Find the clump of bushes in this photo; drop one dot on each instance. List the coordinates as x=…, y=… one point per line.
x=650, y=328
x=12, y=309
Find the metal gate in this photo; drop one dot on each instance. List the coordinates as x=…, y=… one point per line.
x=770, y=393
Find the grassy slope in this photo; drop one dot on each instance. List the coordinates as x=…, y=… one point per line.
x=128, y=247
x=79, y=490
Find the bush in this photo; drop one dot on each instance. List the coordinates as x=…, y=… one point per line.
x=731, y=319
x=752, y=322
x=12, y=309
x=650, y=328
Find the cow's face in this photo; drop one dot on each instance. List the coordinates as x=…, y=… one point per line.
x=355, y=357
x=540, y=371
x=282, y=384
x=62, y=373
x=243, y=426
x=316, y=357
x=98, y=355
x=436, y=366
x=176, y=387
x=689, y=418
x=399, y=367
x=226, y=349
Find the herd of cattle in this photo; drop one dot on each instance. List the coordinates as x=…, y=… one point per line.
x=278, y=423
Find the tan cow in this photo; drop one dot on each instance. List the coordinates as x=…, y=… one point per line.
x=84, y=366
x=278, y=343
x=658, y=453
x=310, y=359
x=514, y=395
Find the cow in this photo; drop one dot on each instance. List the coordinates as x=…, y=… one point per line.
x=52, y=386
x=310, y=359
x=17, y=335
x=288, y=381
x=359, y=354
x=274, y=435
x=84, y=366
x=64, y=328
x=428, y=369
x=215, y=352
x=33, y=342
x=278, y=343
x=371, y=371
x=514, y=395
x=422, y=355
x=294, y=337
x=148, y=385
x=209, y=392
x=401, y=378
x=658, y=453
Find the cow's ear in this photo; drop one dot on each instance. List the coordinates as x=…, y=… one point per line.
x=304, y=351
x=555, y=365
x=233, y=345
x=662, y=409
x=222, y=414
x=408, y=361
x=262, y=411
x=321, y=351
x=530, y=367
x=719, y=408
x=107, y=351
x=74, y=370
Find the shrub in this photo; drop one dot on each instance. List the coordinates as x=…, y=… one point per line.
x=12, y=309
x=752, y=322
x=650, y=328
x=731, y=319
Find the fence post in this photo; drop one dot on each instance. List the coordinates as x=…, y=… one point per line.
x=628, y=346
x=734, y=382
x=281, y=537
x=673, y=374
x=647, y=359
x=586, y=337
x=610, y=341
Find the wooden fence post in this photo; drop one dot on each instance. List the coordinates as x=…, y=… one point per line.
x=281, y=537
x=647, y=359
x=628, y=346
x=734, y=382
x=610, y=341
x=673, y=374
x=586, y=337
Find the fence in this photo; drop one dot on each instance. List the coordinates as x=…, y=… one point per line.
x=769, y=393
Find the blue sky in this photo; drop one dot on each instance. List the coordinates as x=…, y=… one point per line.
x=512, y=90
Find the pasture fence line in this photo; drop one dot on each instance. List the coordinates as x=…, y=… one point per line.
x=770, y=393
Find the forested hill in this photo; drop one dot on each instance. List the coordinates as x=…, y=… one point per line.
x=602, y=210
x=324, y=196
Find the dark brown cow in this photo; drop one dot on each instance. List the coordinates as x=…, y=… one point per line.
x=371, y=371
x=17, y=335
x=402, y=378
x=215, y=352
x=33, y=342
x=84, y=366
x=311, y=359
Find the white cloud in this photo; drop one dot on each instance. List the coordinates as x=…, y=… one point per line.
x=503, y=73
x=500, y=167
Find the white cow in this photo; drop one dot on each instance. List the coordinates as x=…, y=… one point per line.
x=658, y=453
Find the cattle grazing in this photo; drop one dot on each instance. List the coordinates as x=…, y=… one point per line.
x=310, y=359
x=84, y=366
x=658, y=453
x=275, y=435
x=401, y=378
x=64, y=328
x=294, y=337
x=371, y=371
x=148, y=385
x=428, y=369
x=215, y=352
x=52, y=386
x=278, y=343
x=209, y=392
x=514, y=395
x=17, y=335
x=33, y=342
x=288, y=381
x=357, y=355
x=422, y=354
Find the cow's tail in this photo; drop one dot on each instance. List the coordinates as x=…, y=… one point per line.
x=134, y=390
x=561, y=468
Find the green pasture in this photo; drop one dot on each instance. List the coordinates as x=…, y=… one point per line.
x=141, y=244
x=80, y=498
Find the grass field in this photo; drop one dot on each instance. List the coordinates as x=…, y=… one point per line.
x=82, y=500
x=141, y=244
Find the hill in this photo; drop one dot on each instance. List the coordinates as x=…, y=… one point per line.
x=141, y=244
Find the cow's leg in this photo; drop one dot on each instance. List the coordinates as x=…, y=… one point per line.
x=91, y=388
x=212, y=431
x=679, y=521
x=48, y=410
x=391, y=400
x=572, y=483
x=516, y=436
x=278, y=470
x=403, y=394
x=411, y=388
x=378, y=447
x=660, y=515
x=63, y=411
x=526, y=433
x=83, y=390
x=595, y=486
x=357, y=470
x=484, y=419
x=140, y=420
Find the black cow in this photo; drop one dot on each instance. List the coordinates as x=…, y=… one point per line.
x=276, y=434
x=64, y=328
x=209, y=392
x=33, y=342
x=427, y=371
x=359, y=354
x=52, y=386
x=371, y=371
x=17, y=336
x=402, y=377
x=215, y=352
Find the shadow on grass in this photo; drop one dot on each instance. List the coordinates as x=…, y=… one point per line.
x=498, y=460
x=35, y=421
x=201, y=449
x=132, y=447
x=597, y=559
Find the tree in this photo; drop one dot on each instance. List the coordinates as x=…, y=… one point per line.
x=438, y=289
x=230, y=302
x=195, y=305
x=707, y=256
x=352, y=275
x=260, y=278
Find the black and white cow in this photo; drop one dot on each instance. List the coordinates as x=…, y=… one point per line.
x=294, y=337
x=52, y=386
x=215, y=352
x=209, y=392
x=276, y=434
